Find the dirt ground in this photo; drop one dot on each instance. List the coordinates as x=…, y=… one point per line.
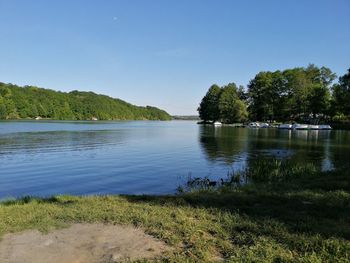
x=80, y=243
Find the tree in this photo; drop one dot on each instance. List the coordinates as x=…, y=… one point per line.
x=279, y=95
x=292, y=94
x=223, y=104
x=242, y=94
x=260, y=99
x=3, y=112
x=209, y=106
x=297, y=86
x=341, y=95
x=318, y=95
x=231, y=108
x=319, y=100
x=28, y=101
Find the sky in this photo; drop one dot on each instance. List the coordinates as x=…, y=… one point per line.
x=166, y=53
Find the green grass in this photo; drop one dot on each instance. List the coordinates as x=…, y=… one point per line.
x=305, y=219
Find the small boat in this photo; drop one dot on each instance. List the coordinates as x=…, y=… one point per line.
x=217, y=123
x=264, y=125
x=254, y=125
x=300, y=126
x=285, y=126
x=314, y=127
x=324, y=127
x=304, y=127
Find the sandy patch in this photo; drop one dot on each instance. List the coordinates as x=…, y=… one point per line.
x=80, y=243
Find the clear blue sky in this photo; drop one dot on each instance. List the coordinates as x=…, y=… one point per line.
x=166, y=53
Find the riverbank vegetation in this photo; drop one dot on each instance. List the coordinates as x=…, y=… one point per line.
x=299, y=94
x=299, y=215
x=31, y=102
x=223, y=103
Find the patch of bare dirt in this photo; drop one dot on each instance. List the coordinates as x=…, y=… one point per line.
x=80, y=243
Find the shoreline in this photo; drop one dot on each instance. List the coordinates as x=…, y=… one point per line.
x=306, y=218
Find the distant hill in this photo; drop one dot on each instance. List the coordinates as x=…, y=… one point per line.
x=33, y=102
x=186, y=117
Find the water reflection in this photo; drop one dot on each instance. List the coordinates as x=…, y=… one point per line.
x=58, y=141
x=339, y=148
x=38, y=158
x=325, y=149
x=223, y=143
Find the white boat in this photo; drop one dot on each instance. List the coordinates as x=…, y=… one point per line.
x=300, y=126
x=285, y=126
x=314, y=127
x=254, y=125
x=324, y=127
x=217, y=123
x=264, y=125
x=304, y=127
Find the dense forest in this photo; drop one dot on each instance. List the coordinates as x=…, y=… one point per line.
x=31, y=102
x=299, y=94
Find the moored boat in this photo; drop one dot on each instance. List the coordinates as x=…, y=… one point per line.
x=324, y=127
x=314, y=127
x=217, y=123
x=264, y=125
x=254, y=125
x=300, y=126
x=285, y=126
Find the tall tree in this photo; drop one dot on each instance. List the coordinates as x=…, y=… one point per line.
x=209, y=106
x=319, y=100
x=294, y=93
x=319, y=97
x=341, y=94
x=297, y=88
x=260, y=96
x=232, y=109
x=242, y=94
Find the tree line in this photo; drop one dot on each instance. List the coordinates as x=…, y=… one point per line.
x=31, y=102
x=298, y=94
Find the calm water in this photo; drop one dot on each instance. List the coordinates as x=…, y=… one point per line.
x=45, y=158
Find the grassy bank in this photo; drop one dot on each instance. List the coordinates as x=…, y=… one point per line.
x=300, y=219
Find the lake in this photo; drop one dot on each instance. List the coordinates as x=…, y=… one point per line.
x=44, y=158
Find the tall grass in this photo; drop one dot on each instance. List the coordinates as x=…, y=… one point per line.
x=266, y=171
x=269, y=171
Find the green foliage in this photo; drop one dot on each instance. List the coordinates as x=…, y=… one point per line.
x=242, y=94
x=291, y=94
x=319, y=99
x=209, y=106
x=341, y=95
x=231, y=108
x=2, y=108
x=272, y=171
x=299, y=94
x=29, y=102
x=261, y=96
x=223, y=104
x=261, y=171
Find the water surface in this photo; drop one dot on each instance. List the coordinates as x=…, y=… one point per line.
x=43, y=158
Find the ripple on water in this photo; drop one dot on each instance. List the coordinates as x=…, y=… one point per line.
x=143, y=157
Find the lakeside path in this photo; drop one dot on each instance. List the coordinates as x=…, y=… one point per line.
x=304, y=220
